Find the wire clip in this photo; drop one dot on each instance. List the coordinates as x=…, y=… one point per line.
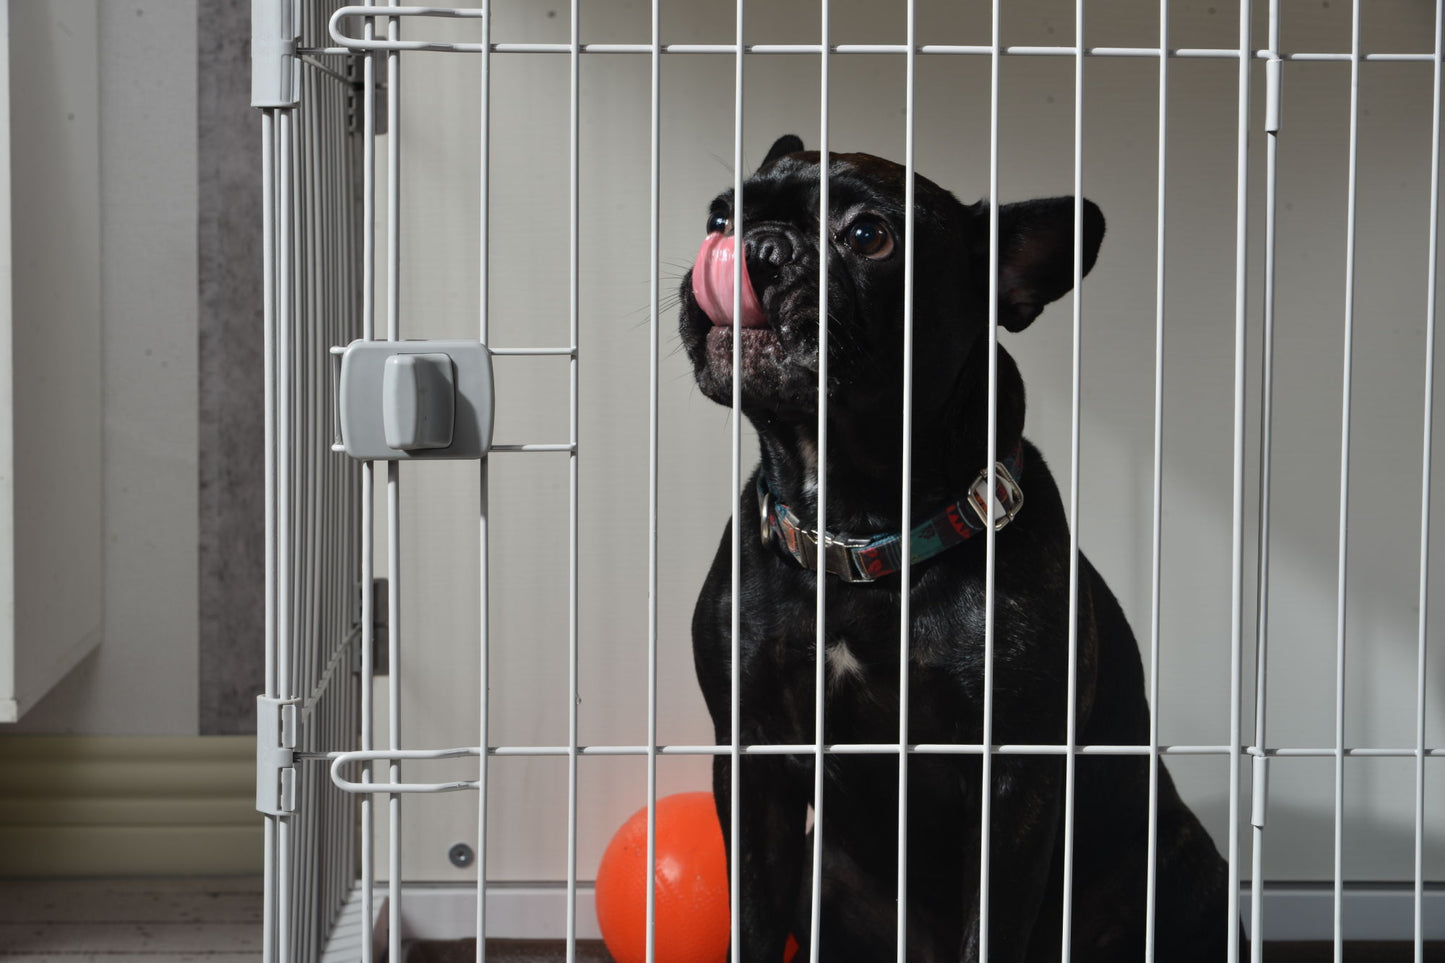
x=1273, y=93
x=1260, y=801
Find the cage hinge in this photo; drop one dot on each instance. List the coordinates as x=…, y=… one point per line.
x=380, y=626
x=276, y=755
x=1260, y=786
x=275, y=68
x=357, y=96
x=1273, y=92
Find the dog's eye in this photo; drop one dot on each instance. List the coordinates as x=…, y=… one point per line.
x=869, y=237
x=718, y=222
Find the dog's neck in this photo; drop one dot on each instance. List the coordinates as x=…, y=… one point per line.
x=865, y=456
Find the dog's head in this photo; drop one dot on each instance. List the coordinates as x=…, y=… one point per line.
x=778, y=310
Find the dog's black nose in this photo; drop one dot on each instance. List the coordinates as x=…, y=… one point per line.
x=769, y=247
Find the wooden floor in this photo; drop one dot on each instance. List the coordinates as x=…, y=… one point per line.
x=104, y=921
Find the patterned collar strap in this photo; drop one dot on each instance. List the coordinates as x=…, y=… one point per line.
x=866, y=559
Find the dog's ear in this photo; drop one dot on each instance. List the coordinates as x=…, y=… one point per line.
x=787, y=144
x=1036, y=254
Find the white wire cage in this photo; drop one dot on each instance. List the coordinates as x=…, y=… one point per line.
x=538, y=122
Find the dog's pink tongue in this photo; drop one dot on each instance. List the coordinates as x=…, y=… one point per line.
x=712, y=284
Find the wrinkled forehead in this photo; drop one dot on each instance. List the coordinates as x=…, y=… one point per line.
x=787, y=189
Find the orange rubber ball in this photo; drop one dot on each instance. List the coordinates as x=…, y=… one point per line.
x=691, y=890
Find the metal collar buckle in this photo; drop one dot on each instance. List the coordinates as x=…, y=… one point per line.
x=838, y=554
x=1004, y=505
x=802, y=544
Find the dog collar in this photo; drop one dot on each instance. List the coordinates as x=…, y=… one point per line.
x=866, y=559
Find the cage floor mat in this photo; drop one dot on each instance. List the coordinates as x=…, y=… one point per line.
x=504, y=951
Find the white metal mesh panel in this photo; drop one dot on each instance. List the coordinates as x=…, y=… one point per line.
x=1215, y=473
x=314, y=628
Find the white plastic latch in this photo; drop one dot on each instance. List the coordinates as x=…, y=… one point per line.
x=418, y=401
x=415, y=400
x=275, y=68
x=276, y=755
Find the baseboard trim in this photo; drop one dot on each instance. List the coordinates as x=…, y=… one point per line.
x=515, y=911
x=1293, y=911
x=1371, y=911
x=123, y=806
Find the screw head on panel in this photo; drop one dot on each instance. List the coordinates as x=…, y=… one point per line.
x=461, y=855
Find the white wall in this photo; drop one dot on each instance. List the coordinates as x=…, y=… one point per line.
x=50, y=594
x=142, y=679
x=529, y=305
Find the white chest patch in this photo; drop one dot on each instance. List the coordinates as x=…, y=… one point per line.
x=842, y=663
x=809, y=450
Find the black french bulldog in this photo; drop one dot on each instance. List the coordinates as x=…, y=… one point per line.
x=778, y=316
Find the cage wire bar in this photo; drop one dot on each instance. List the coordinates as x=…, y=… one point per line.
x=574, y=310
x=1346, y=393
x=906, y=511
x=368, y=493
x=1236, y=588
x=320, y=255
x=311, y=240
x=1426, y=450
x=1157, y=492
x=736, y=547
x=484, y=597
x=1259, y=762
x=820, y=563
x=654, y=341
x=393, y=482
x=1075, y=453
x=986, y=734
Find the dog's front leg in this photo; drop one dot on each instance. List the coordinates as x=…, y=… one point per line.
x=772, y=811
x=1024, y=826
